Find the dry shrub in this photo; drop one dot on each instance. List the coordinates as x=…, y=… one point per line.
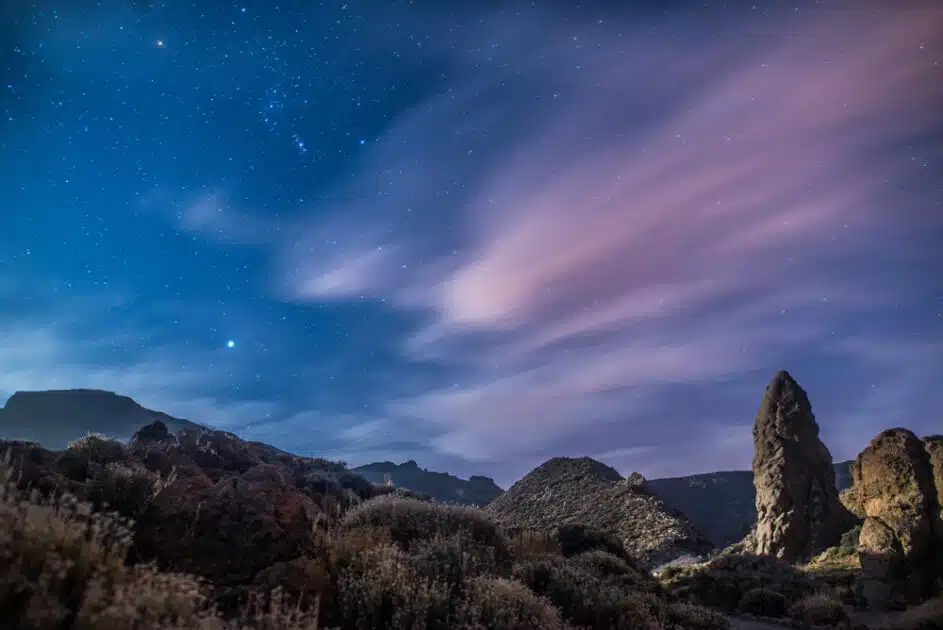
x=527, y=543
x=500, y=604
x=575, y=538
x=763, y=602
x=586, y=600
x=694, y=617
x=614, y=570
x=380, y=589
x=722, y=582
x=819, y=609
x=926, y=616
x=409, y=521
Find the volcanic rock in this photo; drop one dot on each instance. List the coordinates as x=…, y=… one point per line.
x=900, y=545
x=798, y=510
x=587, y=492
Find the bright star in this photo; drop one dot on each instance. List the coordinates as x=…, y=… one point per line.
x=230, y=344
x=160, y=43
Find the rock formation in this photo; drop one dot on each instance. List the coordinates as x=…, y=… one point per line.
x=587, y=492
x=901, y=543
x=798, y=510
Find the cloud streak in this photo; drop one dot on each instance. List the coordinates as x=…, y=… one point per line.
x=594, y=219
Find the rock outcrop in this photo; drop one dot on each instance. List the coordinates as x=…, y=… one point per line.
x=798, y=510
x=584, y=491
x=901, y=542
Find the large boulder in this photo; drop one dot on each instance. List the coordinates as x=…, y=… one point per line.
x=798, y=510
x=900, y=543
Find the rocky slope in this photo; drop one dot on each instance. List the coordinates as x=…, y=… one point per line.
x=54, y=418
x=565, y=490
x=442, y=487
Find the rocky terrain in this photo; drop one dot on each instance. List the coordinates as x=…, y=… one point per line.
x=583, y=490
x=442, y=487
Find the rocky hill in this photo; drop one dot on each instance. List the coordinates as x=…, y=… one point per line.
x=54, y=418
x=566, y=490
x=442, y=487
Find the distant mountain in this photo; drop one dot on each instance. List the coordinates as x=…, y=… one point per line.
x=722, y=504
x=54, y=418
x=442, y=487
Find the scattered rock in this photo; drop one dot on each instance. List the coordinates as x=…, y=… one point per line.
x=798, y=511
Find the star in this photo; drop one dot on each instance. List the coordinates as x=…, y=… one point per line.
x=160, y=43
x=230, y=344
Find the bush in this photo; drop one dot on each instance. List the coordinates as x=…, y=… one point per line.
x=722, y=582
x=849, y=541
x=584, y=599
x=381, y=589
x=500, y=604
x=763, y=602
x=694, y=617
x=409, y=522
x=821, y=610
x=574, y=539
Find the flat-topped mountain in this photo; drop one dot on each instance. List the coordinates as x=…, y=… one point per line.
x=566, y=490
x=442, y=487
x=54, y=418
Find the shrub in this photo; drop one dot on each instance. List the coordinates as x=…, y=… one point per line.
x=500, y=604
x=849, y=541
x=819, y=609
x=575, y=538
x=381, y=589
x=409, y=521
x=584, y=599
x=694, y=617
x=721, y=582
x=613, y=570
x=763, y=602
x=527, y=543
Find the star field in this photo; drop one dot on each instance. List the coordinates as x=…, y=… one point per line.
x=477, y=235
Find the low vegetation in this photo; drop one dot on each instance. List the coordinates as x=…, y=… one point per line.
x=388, y=562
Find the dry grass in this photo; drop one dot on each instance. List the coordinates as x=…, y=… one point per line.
x=819, y=609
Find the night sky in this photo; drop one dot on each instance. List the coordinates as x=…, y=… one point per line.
x=478, y=234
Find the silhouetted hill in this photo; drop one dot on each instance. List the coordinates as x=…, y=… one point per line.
x=442, y=487
x=54, y=418
x=722, y=504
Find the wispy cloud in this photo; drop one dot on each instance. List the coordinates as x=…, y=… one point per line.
x=594, y=217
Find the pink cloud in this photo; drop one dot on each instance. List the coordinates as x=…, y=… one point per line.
x=691, y=247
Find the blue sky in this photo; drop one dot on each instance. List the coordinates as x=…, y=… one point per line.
x=478, y=237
